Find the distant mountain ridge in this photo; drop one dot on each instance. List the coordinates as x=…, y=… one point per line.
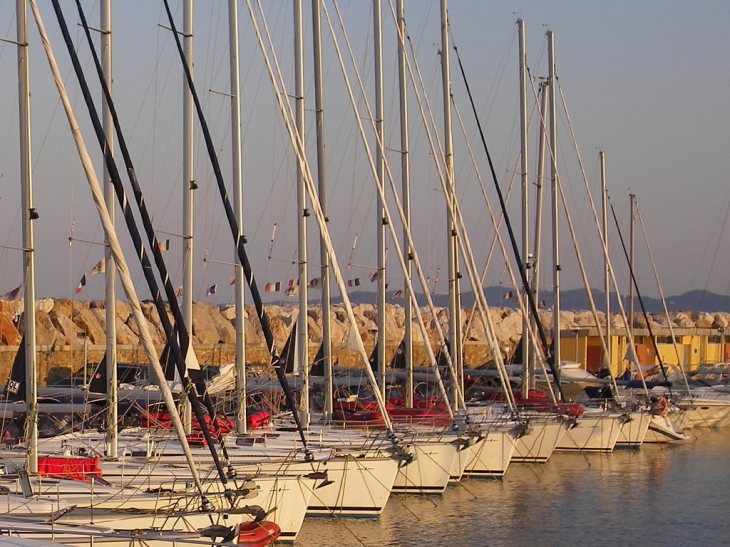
x=575, y=300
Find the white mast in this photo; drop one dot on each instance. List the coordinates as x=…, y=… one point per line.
x=109, y=268
x=555, y=207
x=240, y=358
x=606, y=272
x=28, y=214
x=380, y=170
x=454, y=275
x=406, y=184
x=189, y=185
x=540, y=176
x=525, y=208
x=632, y=228
x=121, y=264
x=302, y=346
x=322, y=191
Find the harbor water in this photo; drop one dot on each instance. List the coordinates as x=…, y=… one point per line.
x=664, y=495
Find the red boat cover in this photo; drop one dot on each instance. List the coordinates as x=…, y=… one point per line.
x=80, y=469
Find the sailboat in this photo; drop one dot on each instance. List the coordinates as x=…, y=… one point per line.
x=307, y=456
x=153, y=514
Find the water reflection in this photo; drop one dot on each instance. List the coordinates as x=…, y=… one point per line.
x=658, y=495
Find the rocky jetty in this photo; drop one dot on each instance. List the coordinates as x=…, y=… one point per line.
x=63, y=322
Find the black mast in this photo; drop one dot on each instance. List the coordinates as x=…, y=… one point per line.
x=550, y=357
x=239, y=240
x=178, y=349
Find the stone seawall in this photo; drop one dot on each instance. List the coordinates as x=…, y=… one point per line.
x=69, y=331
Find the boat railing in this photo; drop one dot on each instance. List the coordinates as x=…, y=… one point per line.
x=93, y=535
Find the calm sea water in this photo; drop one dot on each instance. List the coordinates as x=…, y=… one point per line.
x=660, y=495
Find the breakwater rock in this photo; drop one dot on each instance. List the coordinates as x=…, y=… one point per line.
x=71, y=332
x=64, y=322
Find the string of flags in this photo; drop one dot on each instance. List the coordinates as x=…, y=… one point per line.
x=292, y=286
x=100, y=267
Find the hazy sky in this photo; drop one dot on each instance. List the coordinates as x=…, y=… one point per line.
x=646, y=82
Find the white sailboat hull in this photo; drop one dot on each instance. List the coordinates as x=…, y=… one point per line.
x=491, y=456
x=592, y=433
x=539, y=441
x=429, y=470
x=355, y=486
x=706, y=413
x=634, y=430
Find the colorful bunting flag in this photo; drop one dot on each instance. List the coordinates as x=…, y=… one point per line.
x=353, y=282
x=398, y=294
x=315, y=282
x=211, y=290
x=272, y=287
x=373, y=276
x=163, y=245
x=292, y=290
x=81, y=285
x=99, y=268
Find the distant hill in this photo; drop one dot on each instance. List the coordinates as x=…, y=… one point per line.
x=575, y=299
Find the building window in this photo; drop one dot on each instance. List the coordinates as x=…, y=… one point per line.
x=714, y=339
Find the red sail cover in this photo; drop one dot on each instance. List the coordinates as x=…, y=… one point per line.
x=80, y=469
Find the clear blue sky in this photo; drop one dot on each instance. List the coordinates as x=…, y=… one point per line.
x=646, y=82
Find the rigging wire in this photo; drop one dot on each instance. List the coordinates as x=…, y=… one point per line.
x=661, y=296
x=523, y=274
x=177, y=335
x=385, y=210
x=600, y=233
x=643, y=308
x=236, y=233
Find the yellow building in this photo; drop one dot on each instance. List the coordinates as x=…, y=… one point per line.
x=693, y=347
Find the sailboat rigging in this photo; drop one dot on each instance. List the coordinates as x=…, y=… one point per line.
x=115, y=247
x=239, y=241
x=174, y=333
x=641, y=303
x=29, y=338
x=550, y=357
